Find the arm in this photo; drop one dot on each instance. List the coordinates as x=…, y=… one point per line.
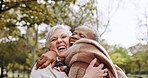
x=46, y=59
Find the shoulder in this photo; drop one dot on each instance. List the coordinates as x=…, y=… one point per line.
x=47, y=72
x=41, y=73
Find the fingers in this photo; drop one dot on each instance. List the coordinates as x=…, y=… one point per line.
x=100, y=66
x=40, y=62
x=53, y=63
x=92, y=63
x=94, y=71
x=43, y=62
x=104, y=74
x=46, y=59
x=42, y=56
x=105, y=71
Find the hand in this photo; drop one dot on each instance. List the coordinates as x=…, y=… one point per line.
x=95, y=72
x=46, y=59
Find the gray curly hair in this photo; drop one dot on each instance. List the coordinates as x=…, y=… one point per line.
x=52, y=30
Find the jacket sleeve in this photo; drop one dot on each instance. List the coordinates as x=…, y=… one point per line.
x=41, y=73
x=47, y=72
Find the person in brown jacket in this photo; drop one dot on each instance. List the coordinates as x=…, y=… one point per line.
x=84, y=51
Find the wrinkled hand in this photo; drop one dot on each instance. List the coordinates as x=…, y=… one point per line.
x=46, y=59
x=95, y=72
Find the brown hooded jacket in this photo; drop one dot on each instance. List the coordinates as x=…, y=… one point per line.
x=83, y=52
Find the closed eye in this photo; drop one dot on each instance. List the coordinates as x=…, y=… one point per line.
x=64, y=36
x=53, y=39
x=82, y=35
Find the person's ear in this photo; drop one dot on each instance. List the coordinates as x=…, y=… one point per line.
x=49, y=48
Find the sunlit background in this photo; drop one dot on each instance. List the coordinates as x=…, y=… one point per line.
x=122, y=26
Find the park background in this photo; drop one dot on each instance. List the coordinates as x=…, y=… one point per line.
x=122, y=26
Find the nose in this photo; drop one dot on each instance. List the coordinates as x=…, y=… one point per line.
x=75, y=37
x=59, y=40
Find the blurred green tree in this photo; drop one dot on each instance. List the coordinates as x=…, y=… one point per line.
x=120, y=56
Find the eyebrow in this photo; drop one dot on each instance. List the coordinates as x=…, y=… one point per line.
x=61, y=35
x=53, y=37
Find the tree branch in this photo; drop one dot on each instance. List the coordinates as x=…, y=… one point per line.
x=13, y=6
x=106, y=26
x=2, y=2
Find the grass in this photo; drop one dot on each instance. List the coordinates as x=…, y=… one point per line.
x=135, y=76
x=10, y=75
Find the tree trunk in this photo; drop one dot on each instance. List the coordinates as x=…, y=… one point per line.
x=2, y=75
x=139, y=68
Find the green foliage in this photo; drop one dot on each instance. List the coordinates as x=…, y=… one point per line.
x=120, y=56
x=13, y=53
x=142, y=58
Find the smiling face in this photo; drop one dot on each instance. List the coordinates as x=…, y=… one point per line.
x=82, y=32
x=59, y=41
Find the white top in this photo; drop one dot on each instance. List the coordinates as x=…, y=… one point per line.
x=47, y=72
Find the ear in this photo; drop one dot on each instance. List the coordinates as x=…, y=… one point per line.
x=49, y=48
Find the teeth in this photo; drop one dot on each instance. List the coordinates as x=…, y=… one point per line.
x=72, y=43
x=61, y=47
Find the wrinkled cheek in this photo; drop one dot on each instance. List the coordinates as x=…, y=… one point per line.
x=68, y=43
x=52, y=48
